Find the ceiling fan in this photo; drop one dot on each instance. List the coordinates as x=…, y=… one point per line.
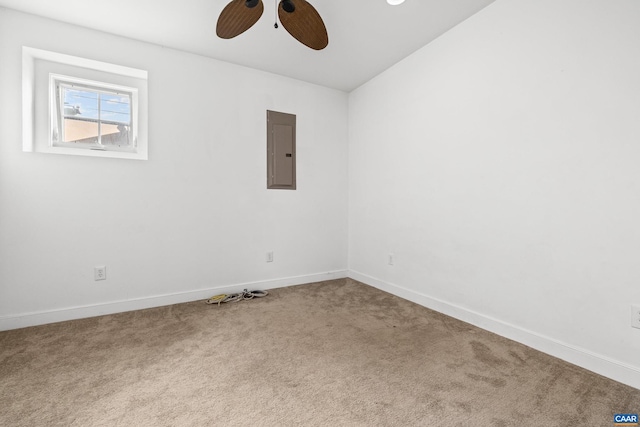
x=298, y=17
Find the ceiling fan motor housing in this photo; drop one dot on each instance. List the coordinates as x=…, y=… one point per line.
x=251, y=3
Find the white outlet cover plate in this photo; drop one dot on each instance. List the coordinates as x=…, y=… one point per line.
x=100, y=272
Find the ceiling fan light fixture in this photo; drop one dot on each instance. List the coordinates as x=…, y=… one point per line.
x=395, y=2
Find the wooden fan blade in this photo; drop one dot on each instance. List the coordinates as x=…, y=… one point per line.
x=305, y=24
x=236, y=18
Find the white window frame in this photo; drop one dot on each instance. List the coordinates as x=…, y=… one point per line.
x=39, y=68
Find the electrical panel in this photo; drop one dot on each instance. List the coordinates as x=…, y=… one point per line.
x=281, y=150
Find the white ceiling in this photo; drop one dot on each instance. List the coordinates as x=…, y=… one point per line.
x=365, y=36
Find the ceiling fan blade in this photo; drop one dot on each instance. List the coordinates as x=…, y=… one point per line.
x=237, y=17
x=303, y=23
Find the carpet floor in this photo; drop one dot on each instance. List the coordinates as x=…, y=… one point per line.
x=336, y=353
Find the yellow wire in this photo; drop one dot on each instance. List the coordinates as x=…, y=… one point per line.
x=216, y=299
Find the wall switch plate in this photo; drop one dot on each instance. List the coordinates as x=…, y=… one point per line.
x=635, y=315
x=100, y=272
x=270, y=256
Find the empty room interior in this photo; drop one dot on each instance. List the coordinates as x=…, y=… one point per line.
x=455, y=240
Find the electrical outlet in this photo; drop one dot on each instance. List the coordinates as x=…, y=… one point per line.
x=270, y=256
x=391, y=259
x=100, y=272
x=635, y=316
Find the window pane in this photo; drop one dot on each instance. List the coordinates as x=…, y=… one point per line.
x=95, y=116
x=80, y=115
x=115, y=115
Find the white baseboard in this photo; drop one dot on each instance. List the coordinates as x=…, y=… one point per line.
x=587, y=359
x=60, y=315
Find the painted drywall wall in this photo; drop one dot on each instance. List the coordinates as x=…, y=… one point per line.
x=196, y=217
x=499, y=164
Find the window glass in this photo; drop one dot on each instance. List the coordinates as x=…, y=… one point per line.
x=92, y=116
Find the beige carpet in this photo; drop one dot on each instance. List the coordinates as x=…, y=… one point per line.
x=334, y=353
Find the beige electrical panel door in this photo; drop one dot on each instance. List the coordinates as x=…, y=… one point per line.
x=281, y=150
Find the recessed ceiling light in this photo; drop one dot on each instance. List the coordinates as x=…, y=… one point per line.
x=395, y=2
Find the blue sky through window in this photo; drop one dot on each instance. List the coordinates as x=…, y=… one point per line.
x=81, y=103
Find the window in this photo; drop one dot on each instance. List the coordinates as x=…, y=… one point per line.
x=78, y=106
x=92, y=115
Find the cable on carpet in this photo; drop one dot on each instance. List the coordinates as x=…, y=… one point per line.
x=240, y=296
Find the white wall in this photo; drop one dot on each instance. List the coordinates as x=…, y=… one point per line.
x=193, y=218
x=500, y=165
